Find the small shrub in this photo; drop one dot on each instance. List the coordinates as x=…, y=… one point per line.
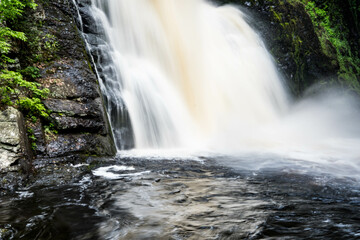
x=23, y=94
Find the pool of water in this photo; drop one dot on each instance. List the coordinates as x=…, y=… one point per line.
x=153, y=198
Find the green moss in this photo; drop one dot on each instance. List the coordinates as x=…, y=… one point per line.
x=333, y=35
x=332, y=30
x=288, y=34
x=277, y=16
x=92, y=165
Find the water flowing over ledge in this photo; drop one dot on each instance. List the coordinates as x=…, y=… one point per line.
x=196, y=76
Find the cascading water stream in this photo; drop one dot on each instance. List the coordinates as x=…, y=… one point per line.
x=196, y=76
x=187, y=68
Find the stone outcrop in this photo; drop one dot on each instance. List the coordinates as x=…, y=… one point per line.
x=12, y=138
x=290, y=36
x=78, y=126
x=77, y=111
x=100, y=53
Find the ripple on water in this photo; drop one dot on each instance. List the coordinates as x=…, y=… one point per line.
x=152, y=199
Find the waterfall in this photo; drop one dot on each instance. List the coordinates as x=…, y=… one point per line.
x=191, y=75
x=187, y=69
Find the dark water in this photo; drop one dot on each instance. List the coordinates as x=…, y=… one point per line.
x=180, y=200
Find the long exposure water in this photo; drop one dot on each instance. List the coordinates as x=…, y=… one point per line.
x=221, y=151
x=198, y=198
x=195, y=76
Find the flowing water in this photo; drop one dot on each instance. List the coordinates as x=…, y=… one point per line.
x=136, y=198
x=220, y=149
x=188, y=70
x=195, y=76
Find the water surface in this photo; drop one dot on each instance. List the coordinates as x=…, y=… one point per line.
x=154, y=198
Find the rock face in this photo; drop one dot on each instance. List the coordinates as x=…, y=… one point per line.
x=12, y=138
x=289, y=34
x=100, y=53
x=79, y=121
x=78, y=125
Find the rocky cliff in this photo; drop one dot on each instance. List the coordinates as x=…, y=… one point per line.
x=78, y=124
x=75, y=102
x=313, y=42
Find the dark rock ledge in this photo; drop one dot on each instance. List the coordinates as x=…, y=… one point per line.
x=80, y=127
x=75, y=101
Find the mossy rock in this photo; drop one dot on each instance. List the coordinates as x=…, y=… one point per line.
x=291, y=34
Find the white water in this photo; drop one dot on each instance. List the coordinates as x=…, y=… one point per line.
x=196, y=76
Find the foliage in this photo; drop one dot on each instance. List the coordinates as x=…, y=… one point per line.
x=33, y=106
x=10, y=10
x=30, y=72
x=355, y=12
x=43, y=46
x=48, y=46
x=333, y=35
x=5, y=46
x=17, y=88
x=289, y=39
x=23, y=94
x=32, y=138
x=50, y=129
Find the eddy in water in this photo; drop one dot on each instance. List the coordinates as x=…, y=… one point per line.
x=196, y=76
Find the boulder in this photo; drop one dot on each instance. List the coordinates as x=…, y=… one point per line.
x=12, y=138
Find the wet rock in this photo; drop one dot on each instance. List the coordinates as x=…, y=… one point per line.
x=40, y=141
x=83, y=3
x=175, y=191
x=79, y=121
x=290, y=36
x=69, y=79
x=90, y=24
x=88, y=144
x=101, y=60
x=6, y=233
x=79, y=124
x=12, y=138
x=73, y=108
x=95, y=40
x=181, y=199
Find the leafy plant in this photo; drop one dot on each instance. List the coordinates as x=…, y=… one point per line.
x=23, y=94
x=50, y=46
x=50, y=129
x=10, y=10
x=17, y=88
x=33, y=106
x=31, y=72
x=32, y=138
